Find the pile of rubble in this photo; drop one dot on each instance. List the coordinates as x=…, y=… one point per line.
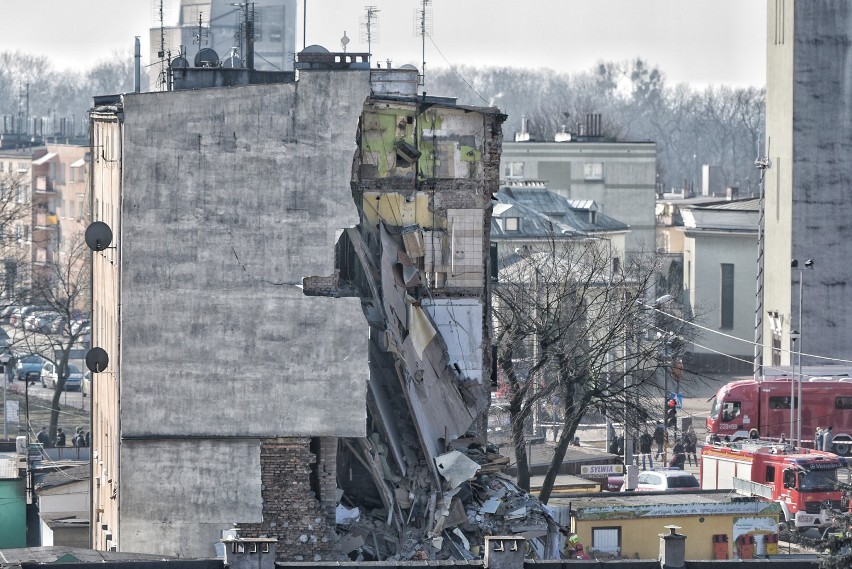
x=477, y=500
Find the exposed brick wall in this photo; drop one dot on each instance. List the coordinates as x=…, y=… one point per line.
x=303, y=524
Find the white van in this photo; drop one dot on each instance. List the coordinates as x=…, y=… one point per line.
x=50, y=377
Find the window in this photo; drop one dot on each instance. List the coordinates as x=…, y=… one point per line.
x=593, y=171
x=607, y=539
x=781, y=402
x=511, y=224
x=514, y=169
x=731, y=410
x=727, y=311
x=843, y=403
x=770, y=474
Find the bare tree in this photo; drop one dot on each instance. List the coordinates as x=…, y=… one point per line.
x=568, y=323
x=62, y=286
x=14, y=214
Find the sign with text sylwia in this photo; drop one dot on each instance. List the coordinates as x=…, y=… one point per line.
x=600, y=470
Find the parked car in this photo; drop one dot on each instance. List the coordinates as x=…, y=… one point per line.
x=39, y=320
x=50, y=377
x=6, y=312
x=27, y=364
x=17, y=317
x=665, y=480
x=5, y=341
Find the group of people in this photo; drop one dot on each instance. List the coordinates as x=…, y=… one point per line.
x=79, y=440
x=684, y=450
x=824, y=439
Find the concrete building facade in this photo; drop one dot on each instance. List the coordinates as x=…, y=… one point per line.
x=720, y=268
x=808, y=105
x=620, y=177
x=219, y=405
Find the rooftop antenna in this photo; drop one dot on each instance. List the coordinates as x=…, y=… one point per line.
x=370, y=28
x=246, y=31
x=423, y=27
x=201, y=34
x=162, y=7
x=762, y=163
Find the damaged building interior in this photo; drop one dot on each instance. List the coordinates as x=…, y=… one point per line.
x=424, y=483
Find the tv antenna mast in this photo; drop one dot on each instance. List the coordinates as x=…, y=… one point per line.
x=370, y=28
x=162, y=9
x=246, y=33
x=423, y=27
x=201, y=34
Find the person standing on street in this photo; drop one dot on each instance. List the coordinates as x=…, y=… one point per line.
x=678, y=455
x=659, y=436
x=42, y=437
x=818, y=439
x=645, y=442
x=60, y=437
x=828, y=440
x=691, y=446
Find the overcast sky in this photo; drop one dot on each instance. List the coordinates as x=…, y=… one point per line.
x=702, y=42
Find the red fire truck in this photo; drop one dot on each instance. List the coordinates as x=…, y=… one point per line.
x=802, y=481
x=748, y=408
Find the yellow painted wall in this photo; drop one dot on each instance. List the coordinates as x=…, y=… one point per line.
x=394, y=209
x=640, y=537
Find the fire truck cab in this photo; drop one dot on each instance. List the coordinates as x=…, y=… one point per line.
x=802, y=481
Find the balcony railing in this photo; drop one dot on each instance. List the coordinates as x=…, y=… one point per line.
x=43, y=184
x=47, y=220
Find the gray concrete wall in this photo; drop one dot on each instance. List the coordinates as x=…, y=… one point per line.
x=177, y=496
x=231, y=198
x=809, y=123
x=709, y=251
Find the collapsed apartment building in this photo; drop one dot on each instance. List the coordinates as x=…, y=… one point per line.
x=239, y=397
x=423, y=180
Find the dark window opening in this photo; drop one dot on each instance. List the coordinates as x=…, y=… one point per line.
x=727, y=309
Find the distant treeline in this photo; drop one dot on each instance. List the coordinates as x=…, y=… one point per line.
x=720, y=126
x=52, y=99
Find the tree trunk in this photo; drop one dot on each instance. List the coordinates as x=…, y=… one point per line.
x=565, y=439
x=519, y=444
x=57, y=394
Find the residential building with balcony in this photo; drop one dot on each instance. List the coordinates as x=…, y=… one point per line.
x=59, y=203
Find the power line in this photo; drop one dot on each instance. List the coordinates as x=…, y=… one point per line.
x=749, y=342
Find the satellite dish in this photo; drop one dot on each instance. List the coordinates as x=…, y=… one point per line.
x=232, y=60
x=179, y=62
x=97, y=360
x=206, y=57
x=315, y=49
x=98, y=236
x=408, y=66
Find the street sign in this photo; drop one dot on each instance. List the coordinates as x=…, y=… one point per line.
x=677, y=397
x=600, y=470
x=12, y=412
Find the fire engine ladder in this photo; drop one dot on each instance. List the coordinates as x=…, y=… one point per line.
x=749, y=488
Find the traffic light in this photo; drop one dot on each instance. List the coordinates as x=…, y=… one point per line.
x=671, y=412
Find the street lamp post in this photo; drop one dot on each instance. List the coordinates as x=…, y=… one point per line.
x=809, y=264
x=4, y=359
x=794, y=336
